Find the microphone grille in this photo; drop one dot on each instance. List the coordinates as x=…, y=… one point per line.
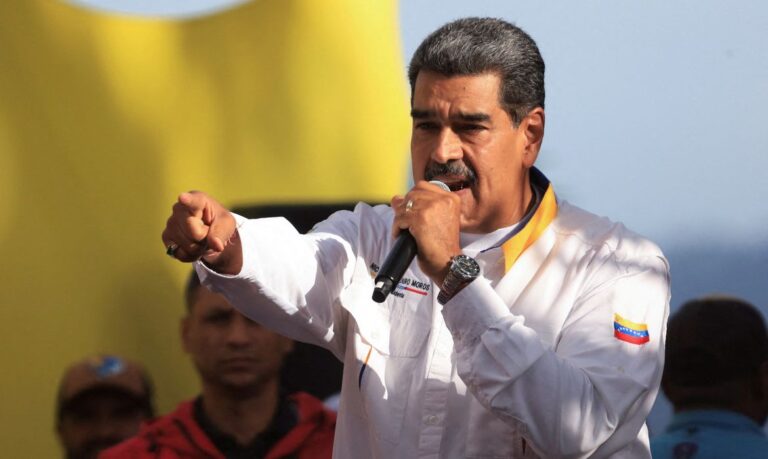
x=440, y=184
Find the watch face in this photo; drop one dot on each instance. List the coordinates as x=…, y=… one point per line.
x=465, y=267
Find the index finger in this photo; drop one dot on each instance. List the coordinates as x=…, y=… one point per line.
x=193, y=202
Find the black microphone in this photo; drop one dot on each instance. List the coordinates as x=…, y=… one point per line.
x=398, y=260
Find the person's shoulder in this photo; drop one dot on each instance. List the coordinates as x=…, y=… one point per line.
x=363, y=214
x=152, y=435
x=711, y=434
x=312, y=436
x=365, y=225
x=663, y=445
x=136, y=447
x=378, y=213
x=713, y=444
x=140, y=445
x=311, y=407
x=596, y=232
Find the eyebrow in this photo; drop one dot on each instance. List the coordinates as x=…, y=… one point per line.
x=219, y=310
x=463, y=116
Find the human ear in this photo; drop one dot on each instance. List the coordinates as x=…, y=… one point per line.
x=532, y=127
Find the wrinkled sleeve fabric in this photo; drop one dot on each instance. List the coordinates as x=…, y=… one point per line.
x=291, y=282
x=589, y=395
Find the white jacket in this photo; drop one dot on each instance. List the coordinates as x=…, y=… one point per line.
x=518, y=364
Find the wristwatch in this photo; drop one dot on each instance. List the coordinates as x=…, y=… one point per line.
x=462, y=271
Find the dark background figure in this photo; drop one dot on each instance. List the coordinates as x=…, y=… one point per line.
x=716, y=376
x=102, y=400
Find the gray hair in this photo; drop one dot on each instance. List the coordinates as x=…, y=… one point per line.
x=472, y=46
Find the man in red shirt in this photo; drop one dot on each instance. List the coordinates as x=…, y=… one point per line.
x=241, y=411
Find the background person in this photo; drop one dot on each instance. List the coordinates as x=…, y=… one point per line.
x=241, y=412
x=716, y=376
x=102, y=400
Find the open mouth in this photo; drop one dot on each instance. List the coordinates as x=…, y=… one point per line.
x=456, y=184
x=459, y=186
x=454, y=173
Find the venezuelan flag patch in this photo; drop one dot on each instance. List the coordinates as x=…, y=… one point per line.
x=631, y=332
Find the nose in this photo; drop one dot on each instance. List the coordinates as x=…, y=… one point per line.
x=240, y=331
x=447, y=147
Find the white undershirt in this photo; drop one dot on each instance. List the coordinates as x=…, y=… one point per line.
x=480, y=242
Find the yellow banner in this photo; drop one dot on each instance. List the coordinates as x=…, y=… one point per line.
x=104, y=119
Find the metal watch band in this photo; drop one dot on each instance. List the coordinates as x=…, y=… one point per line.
x=462, y=271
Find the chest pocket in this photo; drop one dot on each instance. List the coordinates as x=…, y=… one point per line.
x=389, y=340
x=399, y=327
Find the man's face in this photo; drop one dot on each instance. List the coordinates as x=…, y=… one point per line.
x=459, y=122
x=97, y=421
x=229, y=350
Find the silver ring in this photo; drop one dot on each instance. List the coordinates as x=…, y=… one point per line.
x=171, y=250
x=409, y=206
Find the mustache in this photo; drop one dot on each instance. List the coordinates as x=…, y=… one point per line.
x=454, y=167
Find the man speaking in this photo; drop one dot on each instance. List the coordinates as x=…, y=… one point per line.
x=526, y=328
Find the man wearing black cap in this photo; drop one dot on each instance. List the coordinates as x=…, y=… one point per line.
x=102, y=400
x=716, y=376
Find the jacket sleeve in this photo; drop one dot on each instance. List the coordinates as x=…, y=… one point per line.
x=589, y=394
x=290, y=282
